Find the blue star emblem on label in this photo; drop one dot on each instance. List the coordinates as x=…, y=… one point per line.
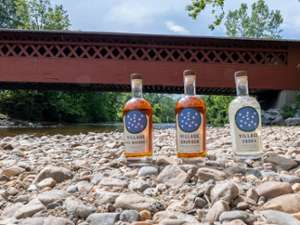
x=135, y=121
x=189, y=120
x=247, y=119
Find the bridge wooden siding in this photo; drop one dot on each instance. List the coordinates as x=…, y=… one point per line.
x=103, y=61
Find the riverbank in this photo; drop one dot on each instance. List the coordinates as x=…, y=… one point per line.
x=83, y=179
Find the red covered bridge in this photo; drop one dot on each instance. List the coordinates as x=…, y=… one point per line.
x=103, y=61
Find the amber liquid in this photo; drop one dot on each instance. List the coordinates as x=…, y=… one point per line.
x=145, y=107
x=199, y=105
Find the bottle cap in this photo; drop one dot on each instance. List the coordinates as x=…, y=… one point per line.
x=241, y=73
x=189, y=73
x=136, y=76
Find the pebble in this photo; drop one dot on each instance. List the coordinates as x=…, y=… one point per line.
x=289, y=203
x=173, y=176
x=103, y=218
x=129, y=216
x=48, y=182
x=76, y=208
x=279, y=218
x=237, y=214
x=49, y=197
x=227, y=191
x=145, y=215
x=210, y=173
x=148, y=171
x=46, y=221
x=59, y=174
x=28, y=210
x=12, y=171
x=281, y=162
x=273, y=189
x=216, y=210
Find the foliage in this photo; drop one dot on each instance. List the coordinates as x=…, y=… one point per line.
x=62, y=106
x=33, y=14
x=291, y=110
x=260, y=23
x=217, y=109
x=163, y=107
x=217, y=10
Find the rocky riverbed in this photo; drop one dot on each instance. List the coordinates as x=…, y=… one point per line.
x=84, y=179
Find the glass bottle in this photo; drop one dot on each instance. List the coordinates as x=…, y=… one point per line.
x=137, y=119
x=245, y=121
x=190, y=121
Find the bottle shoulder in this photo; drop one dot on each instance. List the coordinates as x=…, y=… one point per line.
x=242, y=101
x=137, y=103
x=190, y=101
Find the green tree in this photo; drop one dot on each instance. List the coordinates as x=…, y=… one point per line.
x=261, y=22
x=8, y=15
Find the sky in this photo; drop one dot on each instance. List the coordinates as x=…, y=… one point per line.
x=163, y=16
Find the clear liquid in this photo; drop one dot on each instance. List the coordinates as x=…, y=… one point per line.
x=246, y=144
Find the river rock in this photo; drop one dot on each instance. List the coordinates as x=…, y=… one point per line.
x=173, y=176
x=292, y=179
x=226, y=191
x=48, y=182
x=234, y=222
x=136, y=202
x=138, y=185
x=175, y=216
x=216, y=210
x=281, y=162
x=237, y=215
x=77, y=209
x=292, y=121
x=10, y=210
x=279, y=218
x=148, y=171
x=129, y=216
x=209, y=173
x=273, y=189
x=49, y=197
x=12, y=171
x=28, y=210
x=113, y=182
x=103, y=218
x=105, y=197
x=46, y=221
x=59, y=174
x=289, y=203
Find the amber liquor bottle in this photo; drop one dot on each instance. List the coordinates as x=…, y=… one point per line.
x=137, y=119
x=190, y=121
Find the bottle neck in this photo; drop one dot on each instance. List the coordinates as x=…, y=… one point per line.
x=242, y=86
x=137, y=88
x=190, y=85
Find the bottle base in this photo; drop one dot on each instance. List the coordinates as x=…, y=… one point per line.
x=252, y=156
x=194, y=155
x=139, y=161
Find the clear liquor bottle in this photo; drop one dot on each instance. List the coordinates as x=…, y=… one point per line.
x=190, y=121
x=245, y=121
x=137, y=119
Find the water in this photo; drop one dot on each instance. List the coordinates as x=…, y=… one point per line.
x=70, y=129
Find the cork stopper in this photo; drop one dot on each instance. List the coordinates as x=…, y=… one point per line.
x=136, y=76
x=241, y=73
x=189, y=73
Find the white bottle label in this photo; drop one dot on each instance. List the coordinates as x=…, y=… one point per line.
x=135, y=124
x=189, y=124
x=246, y=122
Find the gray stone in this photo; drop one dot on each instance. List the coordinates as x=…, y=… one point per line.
x=76, y=208
x=59, y=174
x=11, y=210
x=226, y=191
x=103, y=218
x=209, y=173
x=138, y=185
x=49, y=197
x=289, y=203
x=129, y=216
x=148, y=171
x=292, y=179
x=273, y=189
x=216, y=210
x=113, y=182
x=135, y=201
x=12, y=171
x=105, y=197
x=279, y=218
x=72, y=189
x=272, y=117
x=173, y=176
x=175, y=216
x=292, y=121
x=237, y=214
x=281, y=162
x=48, y=182
x=46, y=221
x=28, y=210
